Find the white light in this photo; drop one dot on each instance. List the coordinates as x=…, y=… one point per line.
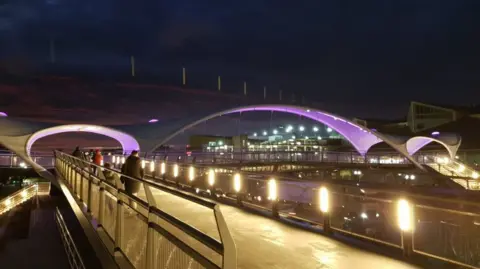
x=315, y=129
x=275, y=131
x=412, y=177
x=123, y=159
x=377, y=215
x=175, y=170
x=163, y=168
x=293, y=137
x=306, y=137
x=254, y=134
x=362, y=190
x=301, y=128
x=264, y=133
x=220, y=143
x=407, y=176
x=475, y=175
x=461, y=168
x=152, y=166
x=237, y=182
x=118, y=160
x=8, y=202
x=324, y=199
x=404, y=213
x=211, y=177
x=191, y=173
x=259, y=198
x=364, y=216
x=143, y=164
x=319, y=137
x=289, y=128
x=456, y=157
x=113, y=159
x=23, y=165
x=101, y=162
x=24, y=194
x=329, y=130
x=272, y=190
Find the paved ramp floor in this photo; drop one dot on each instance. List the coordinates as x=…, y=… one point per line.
x=266, y=243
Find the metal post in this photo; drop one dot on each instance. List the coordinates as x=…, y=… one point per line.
x=275, y=209
x=119, y=225
x=101, y=206
x=326, y=223
x=150, y=251
x=407, y=243
x=89, y=191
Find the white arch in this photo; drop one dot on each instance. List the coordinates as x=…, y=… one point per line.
x=414, y=144
x=359, y=136
x=127, y=141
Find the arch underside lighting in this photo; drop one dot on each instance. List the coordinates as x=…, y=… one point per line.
x=127, y=141
x=416, y=143
x=361, y=138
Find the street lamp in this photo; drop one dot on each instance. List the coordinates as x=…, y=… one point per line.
x=264, y=133
x=301, y=128
x=329, y=130
x=275, y=131
x=289, y=128
x=254, y=134
x=315, y=129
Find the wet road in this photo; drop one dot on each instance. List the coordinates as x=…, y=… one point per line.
x=266, y=243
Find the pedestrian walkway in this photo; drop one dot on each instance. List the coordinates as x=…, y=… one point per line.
x=267, y=243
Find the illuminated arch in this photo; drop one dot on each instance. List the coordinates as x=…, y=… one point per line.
x=416, y=143
x=127, y=141
x=359, y=136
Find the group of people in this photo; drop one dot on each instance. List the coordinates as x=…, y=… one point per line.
x=132, y=168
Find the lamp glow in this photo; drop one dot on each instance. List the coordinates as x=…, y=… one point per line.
x=329, y=130
x=101, y=162
x=324, y=201
x=211, y=177
x=175, y=170
x=404, y=212
x=152, y=166
x=237, y=182
x=272, y=190
x=143, y=164
x=191, y=173
x=8, y=202
x=113, y=159
x=461, y=168
x=123, y=159
x=24, y=194
x=162, y=168
x=475, y=175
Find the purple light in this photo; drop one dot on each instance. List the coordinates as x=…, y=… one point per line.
x=361, y=138
x=3, y=114
x=416, y=143
x=435, y=133
x=152, y=120
x=127, y=141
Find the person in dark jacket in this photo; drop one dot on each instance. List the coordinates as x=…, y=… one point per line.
x=132, y=168
x=77, y=153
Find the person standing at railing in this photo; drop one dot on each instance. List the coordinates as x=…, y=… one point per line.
x=97, y=159
x=132, y=168
x=77, y=153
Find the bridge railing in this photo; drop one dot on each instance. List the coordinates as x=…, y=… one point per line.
x=409, y=218
x=74, y=258
x=140, y=227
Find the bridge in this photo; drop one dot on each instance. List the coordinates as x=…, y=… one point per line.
x=207, y=213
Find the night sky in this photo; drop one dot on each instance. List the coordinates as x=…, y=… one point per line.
x=372, y=57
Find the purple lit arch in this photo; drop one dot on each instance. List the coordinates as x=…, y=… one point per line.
x=416, y=143
x=361, y=138
x=127, y=141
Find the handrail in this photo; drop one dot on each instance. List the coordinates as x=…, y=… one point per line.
x=17, y=198
x=75, y=259
x=83, y=166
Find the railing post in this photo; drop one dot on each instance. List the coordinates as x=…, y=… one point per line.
x=407, y=243
x=89, y=191
x=405, y=217
x=150, y=251
x=229, y=249
x=119, y=229
x=101, y=206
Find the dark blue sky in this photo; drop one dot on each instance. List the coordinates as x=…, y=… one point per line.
x=380, y=52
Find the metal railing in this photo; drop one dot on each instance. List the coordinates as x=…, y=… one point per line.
x=74, y=258
x=401, y=218
x=19, y=197
x=144, y=231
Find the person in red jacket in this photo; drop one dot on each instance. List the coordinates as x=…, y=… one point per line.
x=97, y=159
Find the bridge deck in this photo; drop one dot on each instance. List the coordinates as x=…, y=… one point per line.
x=266, y=243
